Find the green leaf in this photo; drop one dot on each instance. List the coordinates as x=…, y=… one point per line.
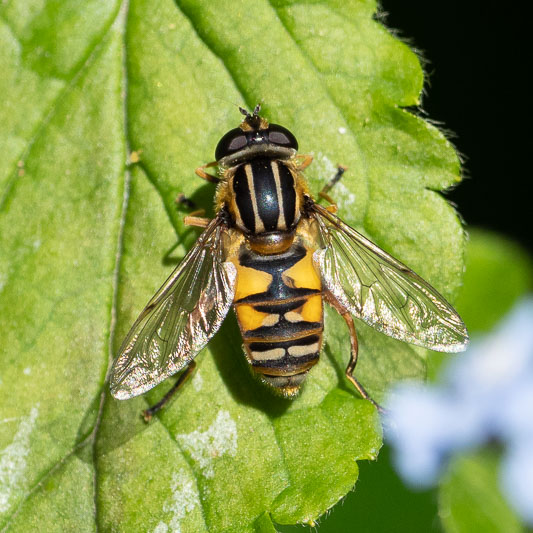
x=380, y=502
x=84, y=239
x=470, y=499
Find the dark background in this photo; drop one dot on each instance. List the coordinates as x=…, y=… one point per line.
x=479, y=58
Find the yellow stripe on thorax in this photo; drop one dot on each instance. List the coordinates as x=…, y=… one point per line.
x=259, y=226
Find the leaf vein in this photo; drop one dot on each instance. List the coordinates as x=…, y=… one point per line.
x=39, y=483
x=238, y=85
x=121, y=18
x=91, y=56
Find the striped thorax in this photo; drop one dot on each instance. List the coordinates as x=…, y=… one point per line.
x=264, y=198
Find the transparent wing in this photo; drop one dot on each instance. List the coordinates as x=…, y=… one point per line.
x=179, y=320
x=383, y=292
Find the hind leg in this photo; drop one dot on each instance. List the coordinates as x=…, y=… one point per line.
x=150, y=412
x=354, y=351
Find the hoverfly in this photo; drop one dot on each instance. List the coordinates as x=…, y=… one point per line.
x=276, y=256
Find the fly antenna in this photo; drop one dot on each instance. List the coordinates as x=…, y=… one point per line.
x=253, y=121
x=254, y=114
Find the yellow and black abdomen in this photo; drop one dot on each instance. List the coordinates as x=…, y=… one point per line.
x=278, y=301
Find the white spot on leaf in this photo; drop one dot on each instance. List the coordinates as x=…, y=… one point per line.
x=206, y=446
x=183, y=500
x=343, y=196
x=197, y=381
x=13, y=460
x=325, y=166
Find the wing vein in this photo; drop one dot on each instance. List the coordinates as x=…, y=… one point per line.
x=179, y=320
x=378, y=289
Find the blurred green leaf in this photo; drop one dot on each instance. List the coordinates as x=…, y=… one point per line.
x=470, y=500
x=84, y=239
x=498, y=272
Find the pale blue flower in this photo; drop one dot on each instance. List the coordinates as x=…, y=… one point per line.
x=483, y=395
x=517, y=478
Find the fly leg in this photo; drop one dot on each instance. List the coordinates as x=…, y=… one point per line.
x=149, y=413
x=200, y=171
x=307, y=159
x=324, y=193
x=200, y=222
x=194, y=218
x=354, y=349
x=187, y=203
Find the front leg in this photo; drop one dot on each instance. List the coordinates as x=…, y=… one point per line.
x=194, y=218
x=200, y=171
x=324, y=193
x=200, y=222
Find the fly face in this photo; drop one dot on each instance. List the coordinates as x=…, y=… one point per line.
x=255, y=137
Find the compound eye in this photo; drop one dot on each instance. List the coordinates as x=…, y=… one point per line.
x=232, y=142
x=282, y=136
x=237, y=143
